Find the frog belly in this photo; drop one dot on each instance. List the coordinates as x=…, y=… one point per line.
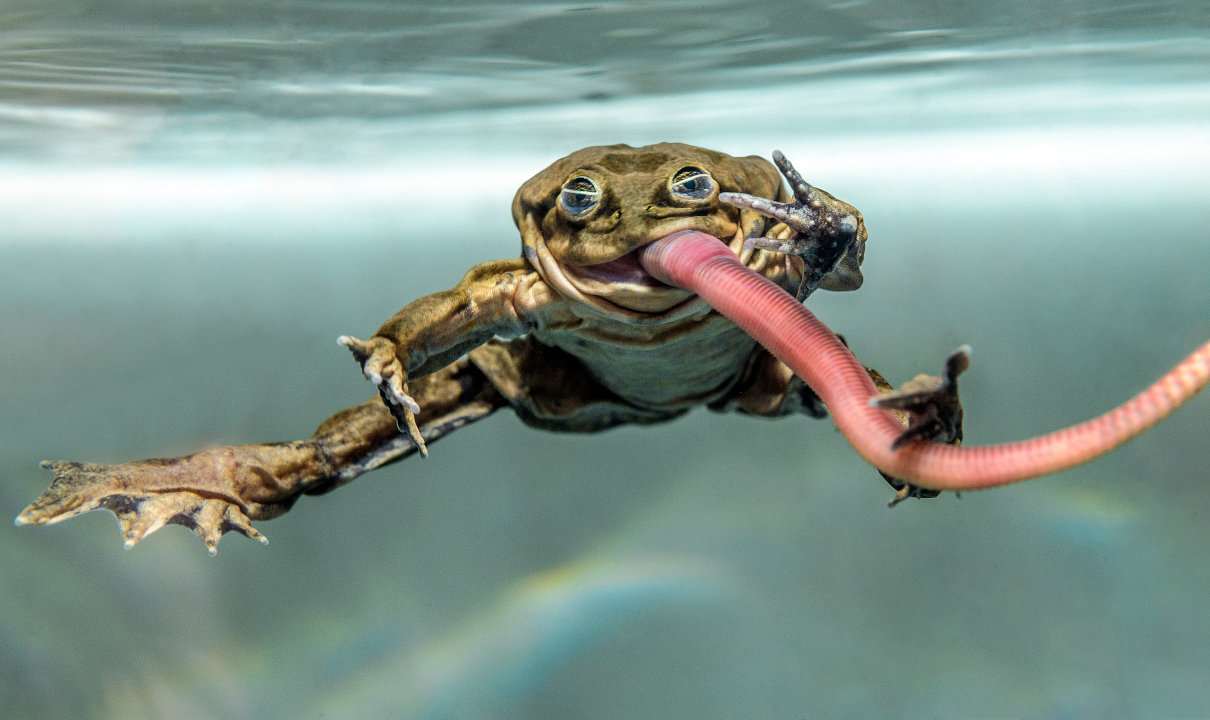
x=694, y=363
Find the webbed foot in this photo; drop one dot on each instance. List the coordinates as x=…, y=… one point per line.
x=380, y=364
x=934, y=412
x=81, y=487
x=822, y=236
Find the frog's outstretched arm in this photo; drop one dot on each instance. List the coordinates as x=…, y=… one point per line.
x=496, y=299
x=224, y=489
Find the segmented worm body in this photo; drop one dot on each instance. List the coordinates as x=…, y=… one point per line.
x=700, y=263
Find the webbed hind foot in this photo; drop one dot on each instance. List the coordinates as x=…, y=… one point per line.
x=141, y=510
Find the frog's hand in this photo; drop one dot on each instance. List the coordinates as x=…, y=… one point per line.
x=929, y=407
x=498, y=299
x=828, y=233
x=140, y=495
x=931, y=403
x=379, y=362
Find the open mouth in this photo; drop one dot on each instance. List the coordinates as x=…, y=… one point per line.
x=626, y=270
x=623, y=282
x=619, y=271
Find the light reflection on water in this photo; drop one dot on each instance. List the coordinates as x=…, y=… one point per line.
x=197, y=198
x=224, y=82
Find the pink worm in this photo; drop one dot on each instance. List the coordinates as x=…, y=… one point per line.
x=700, y=263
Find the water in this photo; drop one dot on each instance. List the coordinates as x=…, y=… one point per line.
x=197, y=198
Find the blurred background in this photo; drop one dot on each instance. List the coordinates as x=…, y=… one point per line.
x=196, y=198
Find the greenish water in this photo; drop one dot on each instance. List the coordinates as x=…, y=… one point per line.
x=197, y=198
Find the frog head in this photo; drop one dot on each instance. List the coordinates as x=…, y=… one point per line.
x=582, y=218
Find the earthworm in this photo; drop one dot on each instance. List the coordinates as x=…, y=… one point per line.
x=700, y=263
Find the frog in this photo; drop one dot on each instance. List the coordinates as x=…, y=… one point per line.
x=571, y=335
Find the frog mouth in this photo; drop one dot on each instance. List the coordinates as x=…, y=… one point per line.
x=623, y=281
x=620, y=289
x=624, y=270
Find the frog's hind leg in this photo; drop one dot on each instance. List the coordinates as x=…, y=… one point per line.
x=224, y=489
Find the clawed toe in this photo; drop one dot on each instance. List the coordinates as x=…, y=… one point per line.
x=75, y=488
x=208, y=518
x=905, y=490
x=396, y=395
x=80, y=487
x=772, y=244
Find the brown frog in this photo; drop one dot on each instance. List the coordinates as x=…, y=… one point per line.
x=573, y=336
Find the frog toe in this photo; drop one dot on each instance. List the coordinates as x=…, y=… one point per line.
x=770, y=244
x=797, y=215
x=78, y=488
x=75, y=488
x=906, y=490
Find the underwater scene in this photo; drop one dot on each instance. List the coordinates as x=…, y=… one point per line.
x=198, y=198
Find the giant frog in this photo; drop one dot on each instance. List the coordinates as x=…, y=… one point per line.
x=573, y=336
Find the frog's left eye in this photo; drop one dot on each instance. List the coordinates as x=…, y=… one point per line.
x=692, y=183
x=579, y=196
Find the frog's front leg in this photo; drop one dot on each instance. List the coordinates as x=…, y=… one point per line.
x=828, y=234
x=496, y=299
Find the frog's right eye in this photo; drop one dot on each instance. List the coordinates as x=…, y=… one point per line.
x=579, y=196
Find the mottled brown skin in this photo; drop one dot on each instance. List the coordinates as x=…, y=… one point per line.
x=562, y=336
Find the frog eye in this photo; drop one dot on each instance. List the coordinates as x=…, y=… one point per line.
x=579, y=195
x=692, y=183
